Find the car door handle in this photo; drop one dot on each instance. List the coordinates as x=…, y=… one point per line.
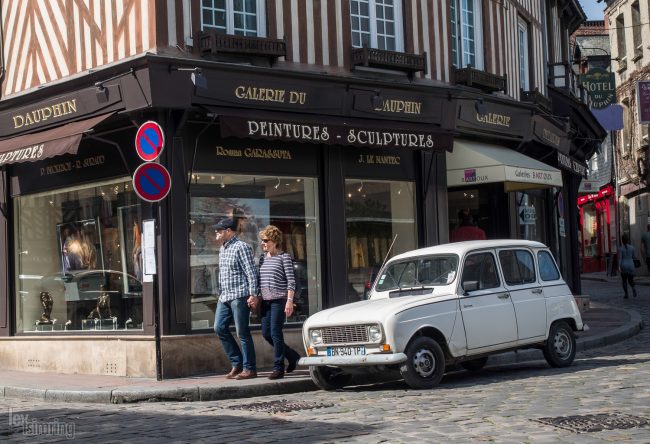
x=504, y=296
x=536, y=290
x=467, y=305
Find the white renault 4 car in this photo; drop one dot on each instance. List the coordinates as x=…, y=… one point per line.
x=455, y=303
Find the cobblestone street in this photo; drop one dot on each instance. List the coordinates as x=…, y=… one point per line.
x=497, y=404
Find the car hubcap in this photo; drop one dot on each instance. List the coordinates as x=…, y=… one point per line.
x=562, y=344
x=424, y=363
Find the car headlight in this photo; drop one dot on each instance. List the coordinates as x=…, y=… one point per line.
x=316, y=337
x=374, y=333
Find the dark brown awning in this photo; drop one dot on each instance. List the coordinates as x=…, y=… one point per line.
x=330, y=130
x=64, y=139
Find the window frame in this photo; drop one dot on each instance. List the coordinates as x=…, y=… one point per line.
x=457, y=27
x=551, y=259
x=372, y=21
x=495, y=263
x=524, y=56
x=260, y=16
x=521, y=276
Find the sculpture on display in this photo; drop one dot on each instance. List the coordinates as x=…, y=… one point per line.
x=103, y=308
x=46, y=302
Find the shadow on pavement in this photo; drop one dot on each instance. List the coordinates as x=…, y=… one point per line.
x=127, y=425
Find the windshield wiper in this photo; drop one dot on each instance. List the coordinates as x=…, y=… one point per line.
x=411, y=291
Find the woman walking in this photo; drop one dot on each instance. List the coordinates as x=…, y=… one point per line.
x=626, y=257
x=278, y=285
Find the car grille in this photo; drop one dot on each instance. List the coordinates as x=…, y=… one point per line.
x=345, y=334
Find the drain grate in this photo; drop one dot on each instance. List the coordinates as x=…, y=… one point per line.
x=281, y=406
x=595, y=423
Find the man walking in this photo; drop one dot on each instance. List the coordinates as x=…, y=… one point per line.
x=238, y=294
x=645, y=247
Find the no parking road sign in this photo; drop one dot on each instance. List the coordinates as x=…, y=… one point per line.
x=152, y=182
x=149, y=141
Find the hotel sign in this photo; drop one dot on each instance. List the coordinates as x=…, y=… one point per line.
x=601, y=86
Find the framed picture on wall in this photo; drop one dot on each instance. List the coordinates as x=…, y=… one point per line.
x=80, y=245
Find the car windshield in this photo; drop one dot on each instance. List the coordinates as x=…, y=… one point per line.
x=418, y=272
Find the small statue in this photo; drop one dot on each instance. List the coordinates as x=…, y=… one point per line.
x=103, y=308
x=46, y=302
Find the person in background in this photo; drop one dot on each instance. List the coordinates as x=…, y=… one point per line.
x=645, y=246
x=626, y=264
x=238, y=294
x=278, y=285
x=466, y=230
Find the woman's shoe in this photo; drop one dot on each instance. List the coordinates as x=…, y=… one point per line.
x=277, y=374
x=292, y=365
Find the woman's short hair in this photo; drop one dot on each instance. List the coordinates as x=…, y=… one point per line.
x=273, y=233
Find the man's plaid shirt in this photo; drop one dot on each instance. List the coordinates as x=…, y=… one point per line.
x=237, y=271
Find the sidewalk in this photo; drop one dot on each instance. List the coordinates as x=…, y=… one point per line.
x=607, y=325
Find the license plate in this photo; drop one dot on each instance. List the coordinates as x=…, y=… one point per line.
x=358, y=350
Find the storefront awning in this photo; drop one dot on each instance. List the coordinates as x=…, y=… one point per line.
x=64, y=139
x=330, y=130
x=473, y=163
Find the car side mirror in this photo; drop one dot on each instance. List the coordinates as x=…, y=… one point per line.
x=470, y=286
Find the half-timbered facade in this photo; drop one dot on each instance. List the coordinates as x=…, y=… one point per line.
x=629, y=33
x=360, y=128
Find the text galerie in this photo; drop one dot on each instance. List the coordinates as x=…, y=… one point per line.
x=316, y=133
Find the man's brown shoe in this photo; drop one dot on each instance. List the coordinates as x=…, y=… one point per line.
x=247, y=374
x=277, y=374
x=233, y=373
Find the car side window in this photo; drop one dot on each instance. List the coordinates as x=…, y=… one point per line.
x=518, y=267
x=481, y=267
x=547, y=269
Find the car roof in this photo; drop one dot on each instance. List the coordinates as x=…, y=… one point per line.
x=460, y=248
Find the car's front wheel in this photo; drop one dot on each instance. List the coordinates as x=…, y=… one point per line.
x=329, y=378
x=425, y=364
x=560, y=349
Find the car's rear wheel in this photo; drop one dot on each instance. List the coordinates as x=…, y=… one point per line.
x=329, y=378
x=425, y=364
x=475, y=364
x=560, y=348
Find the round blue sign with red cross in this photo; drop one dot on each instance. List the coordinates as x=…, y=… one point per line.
x=149, y=141
x=152, y=182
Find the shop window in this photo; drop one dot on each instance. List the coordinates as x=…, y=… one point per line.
x=547, y=269
x=466, y=38
x=517, y=266
x=376, y=212
x=238, y=17
x=377, y=24
x=78, y=259
x=531, y=215
x=590, y=230
x=290, y=203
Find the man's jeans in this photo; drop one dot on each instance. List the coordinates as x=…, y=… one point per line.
x=272, y=322
x=238, y=310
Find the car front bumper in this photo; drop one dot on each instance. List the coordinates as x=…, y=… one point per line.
x=341, y=361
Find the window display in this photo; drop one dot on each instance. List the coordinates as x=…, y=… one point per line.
x=290, y=203
x=376, y=212
x=77, y=259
